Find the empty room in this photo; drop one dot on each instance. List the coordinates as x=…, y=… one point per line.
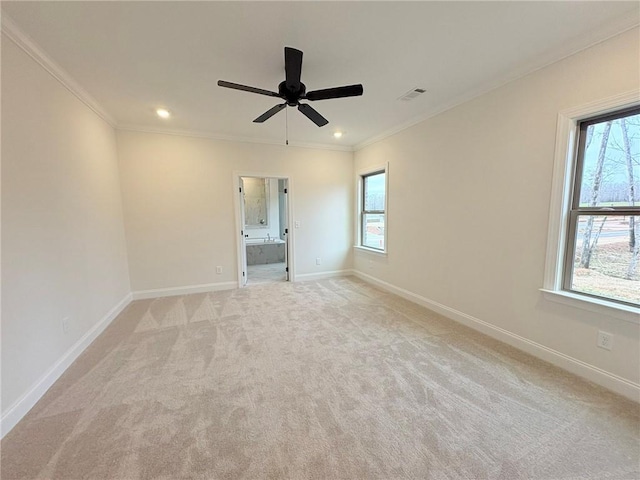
x=320, y=240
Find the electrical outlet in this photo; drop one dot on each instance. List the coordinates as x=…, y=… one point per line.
x=218, y=269
x=318, y=261
x=297, y=224
x=65, y=325
x=370, y=264
x=605, y=340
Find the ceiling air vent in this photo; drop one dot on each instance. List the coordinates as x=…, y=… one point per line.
x=411, y=94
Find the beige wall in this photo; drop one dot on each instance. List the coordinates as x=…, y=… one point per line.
x=179, y=206
x=63, y=242
x=469, y=205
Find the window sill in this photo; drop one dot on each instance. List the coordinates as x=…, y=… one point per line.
x=604, y=307
x=382, y=253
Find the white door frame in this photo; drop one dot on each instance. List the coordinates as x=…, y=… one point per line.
x=243, y=235
x=240, y=252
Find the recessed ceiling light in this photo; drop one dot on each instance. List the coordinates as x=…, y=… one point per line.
x=337, y=134
x=163, y=113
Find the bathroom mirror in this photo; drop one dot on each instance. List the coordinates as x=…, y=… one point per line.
x=256, y=202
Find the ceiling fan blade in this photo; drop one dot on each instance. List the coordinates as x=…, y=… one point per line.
x=292, y=67
x=336, y=92
x=312, y=115
x=245, y=88
x=270, y=113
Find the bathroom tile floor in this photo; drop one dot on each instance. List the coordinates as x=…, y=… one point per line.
x=266, y=273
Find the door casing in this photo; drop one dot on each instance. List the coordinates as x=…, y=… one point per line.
x=241, y=252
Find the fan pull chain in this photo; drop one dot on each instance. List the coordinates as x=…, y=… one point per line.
x=286, y=114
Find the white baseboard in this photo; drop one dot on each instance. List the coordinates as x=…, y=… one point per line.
x=592, y=373
x=212, y=287
x=321, y=275
x=170, y=292
x=26, y=402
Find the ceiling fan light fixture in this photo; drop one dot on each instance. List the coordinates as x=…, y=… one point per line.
x=338, y=134
x=163, y=113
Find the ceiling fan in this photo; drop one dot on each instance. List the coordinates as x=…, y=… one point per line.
x=292, y=90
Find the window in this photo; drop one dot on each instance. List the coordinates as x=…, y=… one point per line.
x=372, y=210
x=601, y=258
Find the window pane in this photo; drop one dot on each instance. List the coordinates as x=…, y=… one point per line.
x=611, y=163
x=606, y=255
x=373, y=230
x=374, y=192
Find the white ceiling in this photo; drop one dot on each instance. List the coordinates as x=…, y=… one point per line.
x=133, y=57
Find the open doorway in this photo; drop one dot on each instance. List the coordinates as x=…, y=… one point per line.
x=264, y=241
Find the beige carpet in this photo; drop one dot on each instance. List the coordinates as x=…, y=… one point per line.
x=326, y=380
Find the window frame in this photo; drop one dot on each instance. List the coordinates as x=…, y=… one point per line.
x=361, y=212
x=575, y=210
x=562, y=197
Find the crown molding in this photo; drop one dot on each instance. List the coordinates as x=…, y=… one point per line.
x=26, y=43
x=605, y=32
x=231, y=138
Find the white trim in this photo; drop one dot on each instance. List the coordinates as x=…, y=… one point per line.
x=601, y=34
x=620, y=311
x=232, y=138
x=26, y=402
x=238, y=210
x=172, y=291
x=559, y=203
x=305, y=277
x=585, y=370
x=561, y=188
x=362, y=248
x=26, y=43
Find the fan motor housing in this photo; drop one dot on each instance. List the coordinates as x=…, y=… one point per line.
x=291, y=96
